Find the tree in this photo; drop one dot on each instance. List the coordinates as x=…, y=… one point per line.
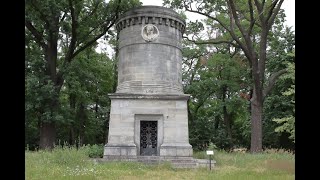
x=287, y=124
x=215, y=79
x=83, y=97
x=278, y=105
x=248, y=23
x=62, y=30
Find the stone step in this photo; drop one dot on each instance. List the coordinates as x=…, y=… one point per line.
x=176, y=162
x=185, y=165
x=171, y=160
x=162, y=157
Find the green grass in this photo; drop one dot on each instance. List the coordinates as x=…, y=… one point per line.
x=72, y=164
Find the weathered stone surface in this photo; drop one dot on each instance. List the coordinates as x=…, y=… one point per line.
x=149, y=85
x=172, y=127
x=150, y=67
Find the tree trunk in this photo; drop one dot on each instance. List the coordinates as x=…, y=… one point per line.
x=96, y=108
x=72, y=137
x=47, y=135
x=226, y=118
x=256, y=123
x=48, y=128
x=216, y=122
x=82, y=116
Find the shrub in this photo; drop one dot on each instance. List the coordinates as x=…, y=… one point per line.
x=95, y=151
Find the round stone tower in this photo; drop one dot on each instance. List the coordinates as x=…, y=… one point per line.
x=148, y=115
x=150, y=51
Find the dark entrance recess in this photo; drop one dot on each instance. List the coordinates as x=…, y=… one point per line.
x=148, y=138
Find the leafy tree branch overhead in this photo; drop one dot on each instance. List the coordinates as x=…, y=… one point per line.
x=63, y=30
x=248, y=24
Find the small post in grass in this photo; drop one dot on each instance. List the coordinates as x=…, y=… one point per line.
x=210, y=153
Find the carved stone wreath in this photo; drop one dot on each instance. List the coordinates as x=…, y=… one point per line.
x=149, y=32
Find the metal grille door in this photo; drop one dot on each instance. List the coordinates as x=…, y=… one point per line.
x=148, y=138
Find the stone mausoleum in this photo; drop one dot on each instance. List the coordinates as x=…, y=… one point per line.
x=149, y=109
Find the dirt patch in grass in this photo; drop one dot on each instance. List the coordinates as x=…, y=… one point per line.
x=281, y=165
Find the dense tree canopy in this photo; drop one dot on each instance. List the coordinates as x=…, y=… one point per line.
x=238, y=67
x=247, y=25
x=59, y=31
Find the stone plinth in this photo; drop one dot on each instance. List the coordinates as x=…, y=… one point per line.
x=127, y=110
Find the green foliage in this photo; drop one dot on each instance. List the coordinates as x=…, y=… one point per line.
x=212, y=146
x=88, y=79
x=215, y=82
x=58, y=34
x=287, y=125
x=95, y=151
x=288, y=122
x=245, y=28
x=280, y=105
x=217, y=76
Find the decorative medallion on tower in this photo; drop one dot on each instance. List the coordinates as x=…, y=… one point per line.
x=149, y=32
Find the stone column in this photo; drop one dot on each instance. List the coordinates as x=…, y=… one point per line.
x=149, y=84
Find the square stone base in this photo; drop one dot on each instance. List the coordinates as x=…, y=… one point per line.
x=120, y=150
x=129, y=110
x=171, y=150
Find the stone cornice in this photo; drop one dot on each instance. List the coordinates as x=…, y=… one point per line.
x=151, y=96
x=150, y=18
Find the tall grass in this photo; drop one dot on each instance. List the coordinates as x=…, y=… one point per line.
x=72, y=163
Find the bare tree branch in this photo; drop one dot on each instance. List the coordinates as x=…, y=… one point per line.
x=234, y=53
x=271, y=81
x=236, y=18
x=263, y=3
x=92, y=12
x=74, y=25
x=252, y=20
x=233, y=16
x=212, y=41
x=100, y=35
x=207, y=15
x=42, y=16
x=231, y=31
x=198, y=7
x=92, y=41
x=95, y=28
x=38, y=36
x=62, y=18
x=272, y=6
x=258, y=5
x=260, y=11
x=274, y=14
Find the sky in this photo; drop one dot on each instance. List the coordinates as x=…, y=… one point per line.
x=287, y=5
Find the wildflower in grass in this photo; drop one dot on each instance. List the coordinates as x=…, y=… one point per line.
x=80, y=171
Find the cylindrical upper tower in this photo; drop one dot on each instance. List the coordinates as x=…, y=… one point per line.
x=150, y=51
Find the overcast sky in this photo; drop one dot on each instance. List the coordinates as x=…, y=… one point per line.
x=288, y=6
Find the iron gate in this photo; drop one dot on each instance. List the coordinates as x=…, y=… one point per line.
x=148, y=138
